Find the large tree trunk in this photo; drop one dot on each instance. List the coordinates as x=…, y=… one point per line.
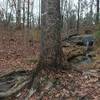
x=97, y=16
x=51, y=49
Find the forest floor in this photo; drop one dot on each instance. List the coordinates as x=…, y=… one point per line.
x=17, y=51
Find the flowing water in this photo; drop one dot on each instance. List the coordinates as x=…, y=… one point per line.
x=86, y=58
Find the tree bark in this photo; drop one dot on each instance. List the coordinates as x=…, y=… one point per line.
x=7, y=10
x=97, y=16
x=18, y=14
x=28, y=13
x=43, y=23
x=78, y=20
x=91, y=13
x=39, y=20
x=51, y=50
x=23, y=13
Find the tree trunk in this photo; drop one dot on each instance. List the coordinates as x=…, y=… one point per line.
x=32, y=14
x=51, y=50
x=18, y=14
x=43, y=23
x=78, y=20
x=91, y=12
x=7, y=11
x=28, y=13
x=39, y=20
x=97, y=16
x=23, y=13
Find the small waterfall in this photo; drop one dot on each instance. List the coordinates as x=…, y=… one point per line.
x=87, y=41
x=86, y=58
x=87, y=46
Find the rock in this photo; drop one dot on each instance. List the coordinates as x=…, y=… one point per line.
x=76, y=39
x=49, y=85
x=72, y=51
x=77, y=49
x=57, y=95
x=81, y=39
x=93, y=73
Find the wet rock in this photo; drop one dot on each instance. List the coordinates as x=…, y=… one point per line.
x=49, y=85
x=81, y=39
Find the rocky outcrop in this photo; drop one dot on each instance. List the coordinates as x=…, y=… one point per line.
x=71, y=50
x=75, y=48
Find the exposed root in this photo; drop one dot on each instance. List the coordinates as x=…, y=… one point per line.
x=12, y=83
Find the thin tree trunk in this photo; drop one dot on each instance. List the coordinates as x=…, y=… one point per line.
x=23, y=13
x=43, y=23
x=18, y=14
x=97, y=16
x=28, y=12
x=78, y=20
x=32, y=12
x=39, y=14
x=91, y=11
x=7, y=10
x=9, y=18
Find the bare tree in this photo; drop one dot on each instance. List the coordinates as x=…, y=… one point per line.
x=28, y=13
x=78, y=20
x=7, y=10
x=43, y=23
x=91, y=10
x=39, y=20
x=97, y=16
x=23, y=13
x=18, y=13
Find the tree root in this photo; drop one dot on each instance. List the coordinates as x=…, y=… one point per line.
x=12, y=83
